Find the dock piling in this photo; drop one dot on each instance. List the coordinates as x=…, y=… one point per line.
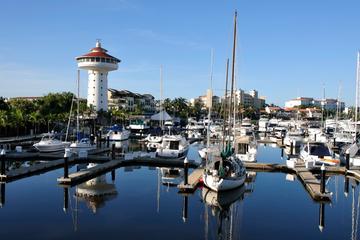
x=2, y=158
x=291, y=148
x=100, y=139
x=107, y=141
x=186, y=170
x=322, y=182
x=315, y=137
x=2, y=197
x=66, y=162
x=113, y=175
x=347, y=159
x=113, y=151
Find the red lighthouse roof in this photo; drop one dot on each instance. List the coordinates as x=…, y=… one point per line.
x=99, y=52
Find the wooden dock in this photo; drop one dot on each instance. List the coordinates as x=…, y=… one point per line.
x=84, y=175
x=193, y=180
x=89, y=173
x=36, y=169
x=312, y=184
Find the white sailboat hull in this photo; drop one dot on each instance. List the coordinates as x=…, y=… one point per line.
x=222, y=184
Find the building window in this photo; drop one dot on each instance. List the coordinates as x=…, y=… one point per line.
x=98, y=59
x=101, y=74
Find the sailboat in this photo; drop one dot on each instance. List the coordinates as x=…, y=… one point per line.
x=353, y=149
x=224, y=170
x=84, y=143
x=170, y=145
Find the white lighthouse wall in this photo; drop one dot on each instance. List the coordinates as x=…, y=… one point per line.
x=97, y=90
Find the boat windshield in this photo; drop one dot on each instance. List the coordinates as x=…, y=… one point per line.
x=319, y=150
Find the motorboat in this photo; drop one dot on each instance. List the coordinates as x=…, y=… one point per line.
x=246, y=127
x=246, y=148
x=138, y=128
x=295, y=137
x=317, y=153
x=172, y=146
x=118, y=133
x=83, y=144
x=49, y=143
x=263, y=124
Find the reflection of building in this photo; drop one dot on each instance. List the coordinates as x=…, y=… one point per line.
x=96, y=192
x=124, y=99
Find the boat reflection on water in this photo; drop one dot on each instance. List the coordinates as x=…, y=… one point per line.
x=96, y=192
x=226, y=213
x=171, y=176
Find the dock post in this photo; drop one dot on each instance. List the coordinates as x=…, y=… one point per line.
x=291, y=148
x=2, y=158
x=282, y=152
x=322, y=181
x=113, y=151
x=315, y=137
x=185, y=208
x=282, y=140
x=186, y=171
x=108, y=141
x=347, y=159
x=66, y=162
x=66, y=199
x=334, y=143
x=100, y=139
x=346, y=187
x=2, y=200
x=113, y=175
x=321, y=216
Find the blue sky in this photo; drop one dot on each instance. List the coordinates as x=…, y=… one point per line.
x=286, y=48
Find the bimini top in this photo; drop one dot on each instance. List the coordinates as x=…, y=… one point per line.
x=98, y=54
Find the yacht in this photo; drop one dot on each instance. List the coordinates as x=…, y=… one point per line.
x=83, y=144
x=118, y=133
x=246, y=148
x=263, y=124
x=49, y=143
x=246, y=127
x=295, y=136
x=172, y=146
x=317, y=153
x=138, y=128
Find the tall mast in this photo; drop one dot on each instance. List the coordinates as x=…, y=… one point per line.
x=357, y=91
x=161, y=97
x=78, y=106
x=225, y=100
x=233, y=66
x=210, y=95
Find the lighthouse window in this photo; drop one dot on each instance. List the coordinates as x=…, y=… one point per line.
x=98, y=59
x=102, y=59
x=107, y=60
x=92, y=59
x=101, y=74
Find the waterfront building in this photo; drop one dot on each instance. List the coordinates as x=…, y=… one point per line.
x=204, y=99
x=98, y=63
x=328, y=103
x=127, y=100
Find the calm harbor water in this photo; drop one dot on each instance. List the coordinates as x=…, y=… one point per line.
x=139, y=206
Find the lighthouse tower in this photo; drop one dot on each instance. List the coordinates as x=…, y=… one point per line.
x=98, y=63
